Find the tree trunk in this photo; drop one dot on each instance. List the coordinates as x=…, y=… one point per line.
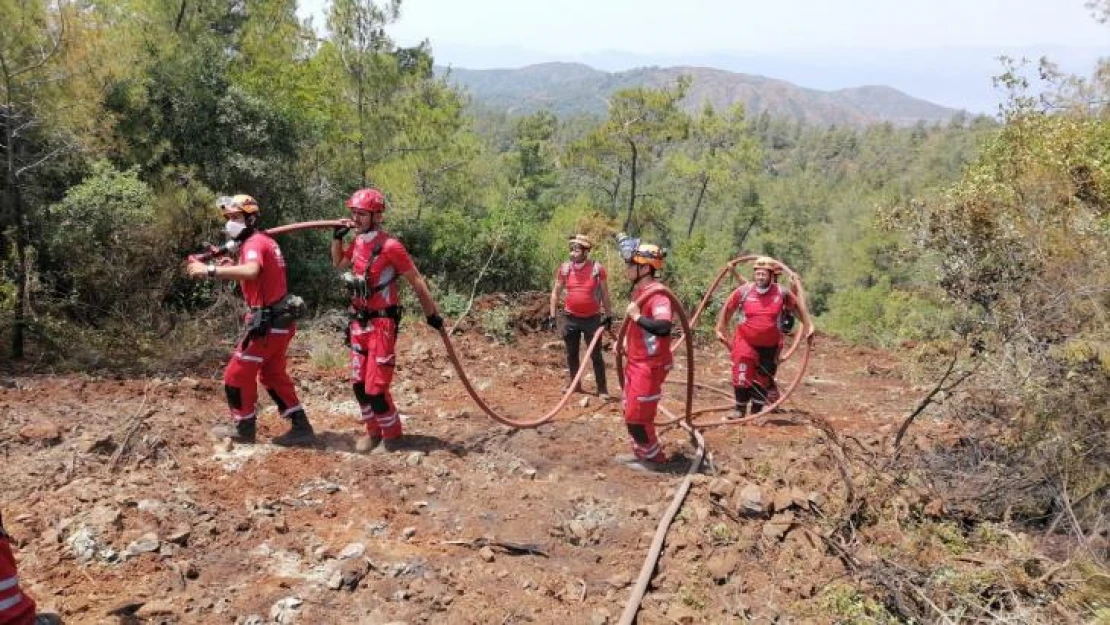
x=697, y=205
x=361, y=127
x=744, y=236
x=632, y=187
x=13, y=207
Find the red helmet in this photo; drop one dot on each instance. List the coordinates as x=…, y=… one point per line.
x=367, y=200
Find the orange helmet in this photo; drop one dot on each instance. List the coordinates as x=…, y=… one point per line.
x=581, y=240
x=648, y=254
x=240, y=203
x=367, y=200
x=768, y=263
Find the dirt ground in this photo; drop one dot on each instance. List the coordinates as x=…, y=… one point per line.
x=124, y=510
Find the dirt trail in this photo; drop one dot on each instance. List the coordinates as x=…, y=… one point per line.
x=177, y=528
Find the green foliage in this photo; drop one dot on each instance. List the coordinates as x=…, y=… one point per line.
x=882, y=316
x=97, y=249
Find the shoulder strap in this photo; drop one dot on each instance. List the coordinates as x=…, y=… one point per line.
x=745, y=291
x=597, y=270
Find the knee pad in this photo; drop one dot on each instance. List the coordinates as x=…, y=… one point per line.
x=234, y=397
x=277, y=400
x=378, y=403
x=638, y=432
x=360, y=393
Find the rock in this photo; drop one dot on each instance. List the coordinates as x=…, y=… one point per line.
x=97, y=445
x=431, y=490
x=284, y=611
x=83, y=544
x=530, y=474
x=585, y=401
x=486, y=554
x=155, y=608
x=778, y=526
x=104, y=518
x=40, y=433
x=408, y=532
x=722, y=565
x=782, y=500
x=751, y=500
x=223, y=447
x=189, y=383
x=180, y=534
x=798, y=496
x=147, y=543
x=816, y=499
x=619, y=580
x=353, y=550
x=253, y=619
x=577, y=531
x=721, y=488
x=679, y=613
x=600, y=616
x=414, y=458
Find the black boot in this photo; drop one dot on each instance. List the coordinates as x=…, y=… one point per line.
x=300, y=432
x=243, y=432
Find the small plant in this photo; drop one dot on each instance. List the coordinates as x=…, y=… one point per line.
x=721, y=535
x=497, y=323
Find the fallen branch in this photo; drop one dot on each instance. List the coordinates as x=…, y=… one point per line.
x=513, y=549
x=133, y=425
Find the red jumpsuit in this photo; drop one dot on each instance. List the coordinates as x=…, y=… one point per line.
x=382, y=260
x=265, y=356
x=16, y=608
x=649, y=362
x=757, y=341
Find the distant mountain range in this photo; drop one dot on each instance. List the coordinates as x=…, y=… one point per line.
x=575, y=88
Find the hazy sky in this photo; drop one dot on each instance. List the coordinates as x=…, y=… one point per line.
x=574, y=27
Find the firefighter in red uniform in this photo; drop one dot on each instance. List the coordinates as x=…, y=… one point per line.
x=16, y=608
x=376, y=261
x=261, y=353
x=648, y=346
x=767, y=312
x=587, y=308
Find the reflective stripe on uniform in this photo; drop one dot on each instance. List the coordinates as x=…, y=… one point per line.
x=9, y=582
x=645, y=399
x=11, y=601
x=279, y=330
x=289, y=411
x=387, y=420
x=248, y=357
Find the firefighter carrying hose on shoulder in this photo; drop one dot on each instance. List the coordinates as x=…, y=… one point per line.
x=767, y=313
x=376, y=260
x=270, y=327
x=648, y=346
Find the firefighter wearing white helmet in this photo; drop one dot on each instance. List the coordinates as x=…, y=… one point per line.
x=766, y=314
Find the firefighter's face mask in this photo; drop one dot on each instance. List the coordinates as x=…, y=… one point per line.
x=235, y=225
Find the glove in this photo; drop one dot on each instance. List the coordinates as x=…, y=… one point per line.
x=340, y=232
x=435, y=321
x=607, y=322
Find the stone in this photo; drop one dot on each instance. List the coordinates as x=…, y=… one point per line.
x=619, y=580
x=180, y=534
x=778, y=526
x=104, y=518
x=253, y=619
x=284, y=611
x=415, y=458
x=680, y=613
x=816, y=499
x=751, y=500
x=799, y=498
x=97, y=445
x=155, y=608
x=41, y=433
x=600, y=616
x=486, y=554
x=720, y=566
x=353, y=550
x=147, y=543
x=584, y=402
x=577, y=531
x=782, y=500
x=721, y=488
x=408, y=532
